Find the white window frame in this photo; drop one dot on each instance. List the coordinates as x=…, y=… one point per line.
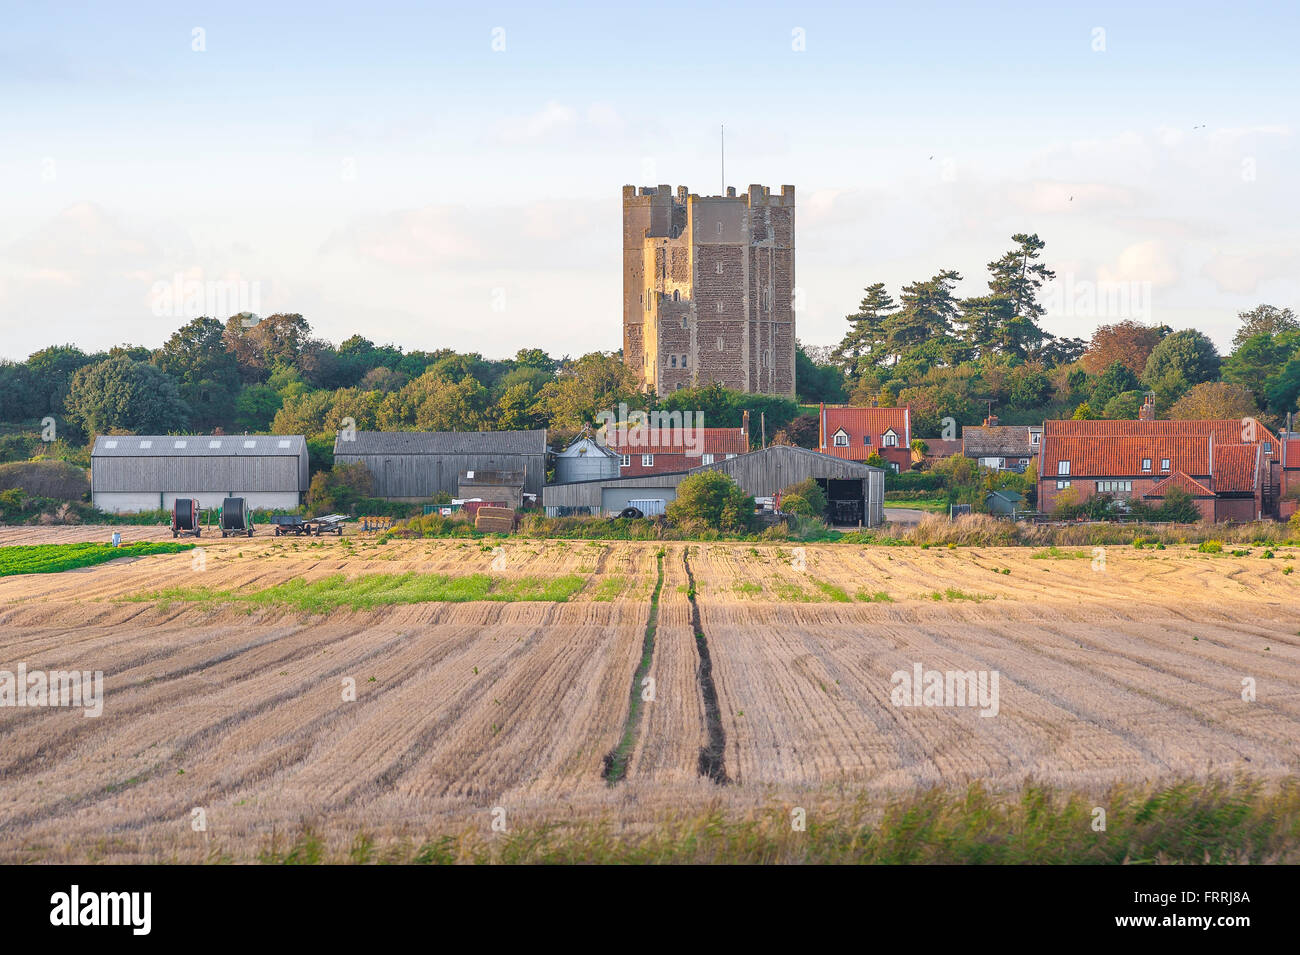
x=706, y=459
x=1062, y=485
x=889, y=439
x=647, y=460
x=1062, y=467
x=1146, y=465
x=840, y=439
x=625, y=460
x=1164, y=464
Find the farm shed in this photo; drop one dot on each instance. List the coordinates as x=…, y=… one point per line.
x=585, y=460
x=858, y=488
x=500, y=487
x=131, y=473
x=416, y=465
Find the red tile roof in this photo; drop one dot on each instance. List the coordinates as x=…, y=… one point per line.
x=691, y=441
x=1236, y=466
x=1225, y=430
x=1120, y=457
x=857, y=422
x=1291, y=453
x=1178, y=479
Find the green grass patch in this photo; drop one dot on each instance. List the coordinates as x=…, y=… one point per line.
x=836, y=594
x=1056, y=553
x=750, y=587
x=952, y=593
x=609, y=588
x=879, y=597
x=53, y=558
x=368, y=591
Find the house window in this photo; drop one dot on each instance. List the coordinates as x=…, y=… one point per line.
x=1268, y=447
x=1063, y=467
x=647, y=460
x=890, y=439
x=866, y=440
x=893, y=466
x=625, y=460
x=729, y=457
x=1034, y=436
x=1164, y=464
x=706, y=459
x=1113, y=487
x=1062, y=485
x=841, y=439
x=1146, y=465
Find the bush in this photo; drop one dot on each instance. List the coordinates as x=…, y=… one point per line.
x=810, y=497
x=49, y=479
x=1211, y=547
x=339, y=489
x=933, y=480
x=711, y=499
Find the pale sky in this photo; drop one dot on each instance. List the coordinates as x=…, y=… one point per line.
x=449, y=175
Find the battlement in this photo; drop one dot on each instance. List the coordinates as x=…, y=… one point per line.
x=755, y=195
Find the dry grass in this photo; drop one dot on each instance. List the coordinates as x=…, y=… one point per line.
x=1129, y=675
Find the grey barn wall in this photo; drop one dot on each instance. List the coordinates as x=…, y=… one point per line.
x=421, y=476
x=760, y=473
x=161, y=474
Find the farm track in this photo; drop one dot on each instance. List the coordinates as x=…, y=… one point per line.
x=1129, y=674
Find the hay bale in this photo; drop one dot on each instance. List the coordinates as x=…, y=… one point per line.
x=497, y=520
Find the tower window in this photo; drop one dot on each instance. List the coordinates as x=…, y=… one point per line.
x=719, y=227
x=717, y=267
x=672, y=359
x=683, y=361
x=719, y=307
x=683, y=321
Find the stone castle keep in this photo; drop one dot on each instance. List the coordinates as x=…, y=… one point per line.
x=708, y=285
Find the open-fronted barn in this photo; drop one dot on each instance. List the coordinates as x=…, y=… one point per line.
x=855, y=491
x=130, y=473
x=416, y=465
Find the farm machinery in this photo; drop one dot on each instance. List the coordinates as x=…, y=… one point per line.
x=235, y=517
x=185, y=517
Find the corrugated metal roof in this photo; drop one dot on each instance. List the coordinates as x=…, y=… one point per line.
x=442, y=442
x=198, y=445
x=584, y=447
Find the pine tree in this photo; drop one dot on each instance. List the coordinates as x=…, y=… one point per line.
x=863, y=347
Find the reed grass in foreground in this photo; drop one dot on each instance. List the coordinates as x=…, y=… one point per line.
x=367, y=591
x=1237, y=822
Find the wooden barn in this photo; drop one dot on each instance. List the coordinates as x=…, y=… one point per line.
x=130, y=473
x=856, y=491
x=416, y=465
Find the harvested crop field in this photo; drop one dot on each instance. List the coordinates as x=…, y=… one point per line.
x=426, y=686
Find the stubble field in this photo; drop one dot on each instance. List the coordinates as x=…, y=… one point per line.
x=771, y=670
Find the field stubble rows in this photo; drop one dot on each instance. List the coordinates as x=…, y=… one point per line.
x=1131, y=673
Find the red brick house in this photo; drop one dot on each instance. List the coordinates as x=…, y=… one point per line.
x=646, y=450
x=1285, y=475
x=858, y=433
x=1226, y=475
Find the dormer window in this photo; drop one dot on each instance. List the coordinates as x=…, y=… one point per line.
x=841, y=439
x=889, y=439
x=1034, y=438
x=1146, y=465
x=1062, y=467
x=1164, y=464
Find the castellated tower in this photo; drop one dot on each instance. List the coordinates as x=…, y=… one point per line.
x=708, y=285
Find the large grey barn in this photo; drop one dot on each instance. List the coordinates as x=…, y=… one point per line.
x=416, y=465
x=131, y=473
x=860, y=488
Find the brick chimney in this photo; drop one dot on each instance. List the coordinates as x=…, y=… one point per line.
x=991, y=421
x=1148, y=410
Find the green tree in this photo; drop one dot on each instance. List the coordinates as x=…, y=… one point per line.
x=1264, y=320
x=49, y=374
x=1084, y=413
x=864, y=344
x=122, y=394
x=1123, y=407
x=205, y=372
x=1181, y=360
x=1018, y=277
x=816, y=382
x=924, y=321
x=1115, y=380
x=255, y=406
x=711, y=499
